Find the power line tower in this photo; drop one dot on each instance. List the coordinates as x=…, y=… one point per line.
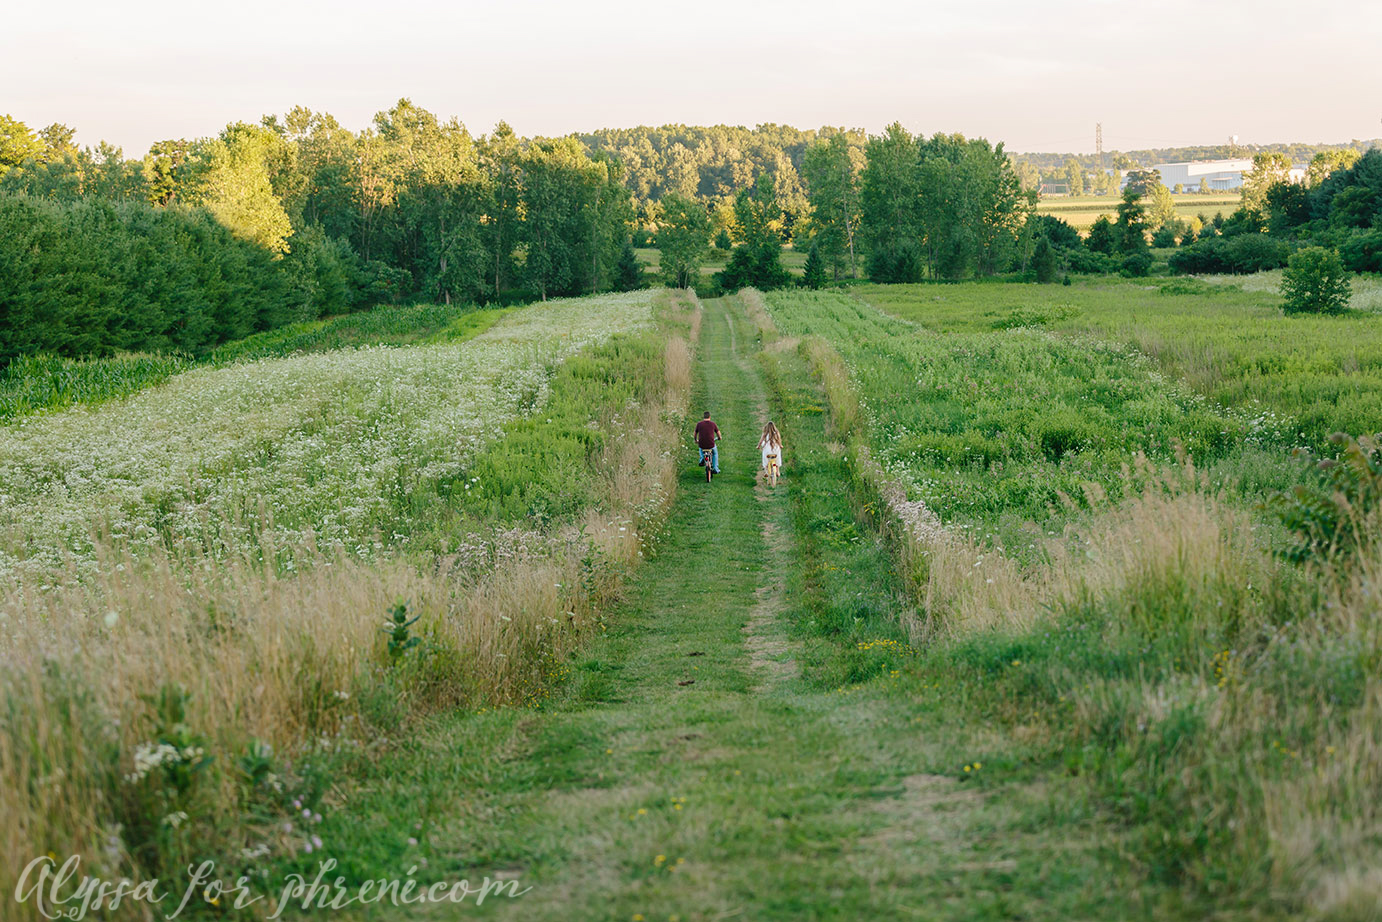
x=1099, y=143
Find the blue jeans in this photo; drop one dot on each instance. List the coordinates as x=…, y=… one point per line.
x=714, y=458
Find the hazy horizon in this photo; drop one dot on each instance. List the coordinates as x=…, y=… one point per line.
x=1036, y=79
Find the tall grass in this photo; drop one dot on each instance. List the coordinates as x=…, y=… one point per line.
x=1306, y=376
x=1223, y=704
x=32, y=384
x=163, y=707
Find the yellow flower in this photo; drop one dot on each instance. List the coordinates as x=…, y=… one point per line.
x=641, y=811
x=659, y=859
x=978, y=765
x=638, y=917
x=966, y=768
x=609, y=752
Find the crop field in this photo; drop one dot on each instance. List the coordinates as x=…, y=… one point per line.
x=1082, y=211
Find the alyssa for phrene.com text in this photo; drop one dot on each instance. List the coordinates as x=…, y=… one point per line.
x=58, y=893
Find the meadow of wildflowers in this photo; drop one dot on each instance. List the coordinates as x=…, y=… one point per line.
x=323, y=449
x=217, y=585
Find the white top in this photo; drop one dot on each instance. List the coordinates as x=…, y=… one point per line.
x=770, y=448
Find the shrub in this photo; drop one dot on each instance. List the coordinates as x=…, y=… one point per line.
x=1330, y=514
x=1090, y=262
x=1165, y=237
x=1100, y=239
x=1137, y=265
x=1363, y=252
x=1060, y=233
x=1249, y=253
x=1315, y=282
x=1240, y=255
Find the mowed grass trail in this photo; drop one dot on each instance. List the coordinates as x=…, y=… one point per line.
x=747, y=741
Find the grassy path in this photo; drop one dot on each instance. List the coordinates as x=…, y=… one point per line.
x=746, y=742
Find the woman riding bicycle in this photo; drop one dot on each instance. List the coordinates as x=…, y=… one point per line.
x=770, y=444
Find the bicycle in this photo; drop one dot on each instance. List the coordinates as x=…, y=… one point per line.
x=706, y=458
x=772, y=470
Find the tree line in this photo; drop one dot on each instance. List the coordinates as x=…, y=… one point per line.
x=297, y=216
x=315, y=218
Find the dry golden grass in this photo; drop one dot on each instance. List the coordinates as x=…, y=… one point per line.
x=757, y=310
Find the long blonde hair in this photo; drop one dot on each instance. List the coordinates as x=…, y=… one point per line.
x=770, y=436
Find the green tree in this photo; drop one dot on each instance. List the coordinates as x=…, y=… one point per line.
x=1102, y=236
x=723, y=241
x=1028, y=175
x=1161, y=207
x=17, y=143
x=500, y=157
x=1315, y=282
x=1326, y=162
x=1044, y=261
x=164, y=170
x=757, y=262
x=57, y=141
x=230, y=177
x=682, y=238
x=1131, y=227
x=1074, y=176
x=552, y=215
x=889, y=198
x=1143, y=182
x=831, y=170
x=326, y=154
x=813, y=274
x=1268, y=169
x=628, y=273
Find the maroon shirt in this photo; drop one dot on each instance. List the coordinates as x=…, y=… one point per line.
x=706, y=433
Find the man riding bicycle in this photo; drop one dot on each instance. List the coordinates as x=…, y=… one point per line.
x=707, y=434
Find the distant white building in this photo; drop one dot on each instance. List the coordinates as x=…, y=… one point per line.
x=1210, y=175
x=1203, y=175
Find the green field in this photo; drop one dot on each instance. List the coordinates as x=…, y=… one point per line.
x=1014, y=638
x=1103, y=586
x=1081, y=211
x=650, y=258
x=1223, y=342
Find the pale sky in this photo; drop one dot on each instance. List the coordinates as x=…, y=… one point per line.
x=1036, y=75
